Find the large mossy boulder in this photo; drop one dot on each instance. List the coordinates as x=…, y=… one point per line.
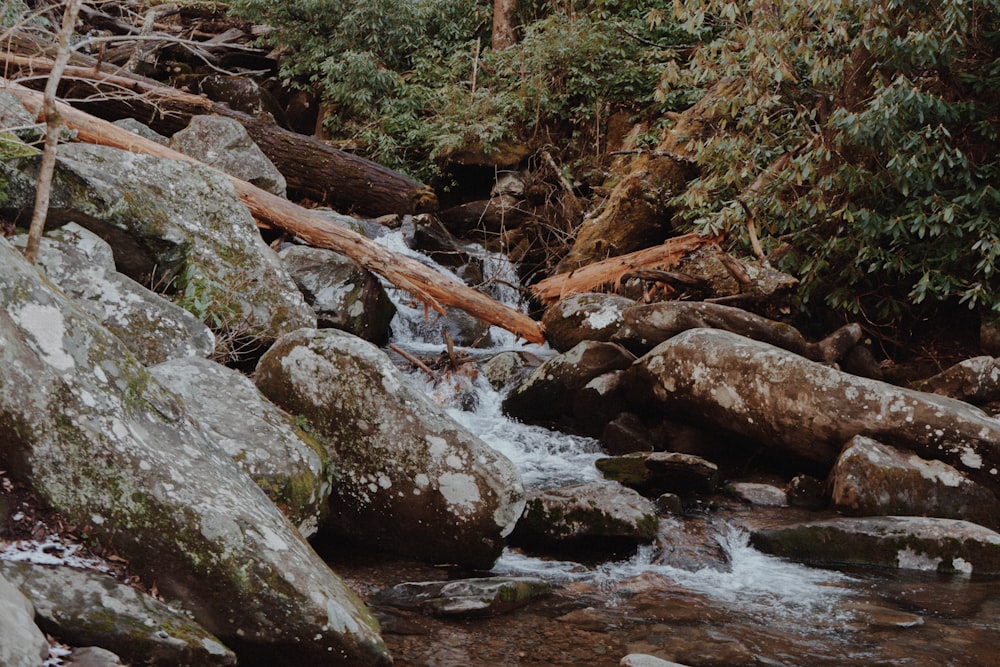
x=102, y=442
x=174, y=221
x=808, y=410
x=407, y=478
x=589, y=316
x=267, y=442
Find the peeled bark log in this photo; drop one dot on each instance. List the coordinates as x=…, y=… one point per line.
x=432, y=287
x=312, y=169
x=663, y=256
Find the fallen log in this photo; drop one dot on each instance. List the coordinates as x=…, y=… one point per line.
x=433, y=288
x=312, y=169
x=612, y=270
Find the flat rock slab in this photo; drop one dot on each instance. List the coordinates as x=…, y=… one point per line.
x=913, y=543
x=465, y=597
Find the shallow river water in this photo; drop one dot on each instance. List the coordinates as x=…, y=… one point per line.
x=700, y=595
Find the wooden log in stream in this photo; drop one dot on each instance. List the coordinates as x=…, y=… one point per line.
x=435, y=289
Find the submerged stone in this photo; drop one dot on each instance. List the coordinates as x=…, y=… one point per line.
x=463, y=598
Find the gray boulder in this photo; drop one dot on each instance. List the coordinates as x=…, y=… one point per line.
x=81, y=264
x=548, y=394
x=465, y=598
x=870, y=478
x=590, y=316
x=653, y=473
x=105, y=444
x=171, y=220
x=23, y=643
x=810, y=410
x=904, y=542
x=136, y=127
x=407, y=477
x=646, y=326
x=593, y=516
x=285, y=461
x=224, y=143
x=90, y=608
x=343, y=295
x=975, y=380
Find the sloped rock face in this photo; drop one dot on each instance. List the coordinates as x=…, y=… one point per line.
x=164, y=217
x=810, y=410
x=23, y=643
x=154, y=329
x=287, y=463
x=88, y=608
x=102, y=442
x=653, y=473
x=407, y=477
x=870, y=478
x=581, y=317
x=914, y=543
x=465, y=598
x=224, y=144
x=342, y=294
x=975, y=380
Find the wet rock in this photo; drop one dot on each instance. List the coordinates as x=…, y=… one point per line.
x=581, y=317
x=591, y=516
x=654, y=473
x=89, y=608
x=870, y=478
x=175, y=219
x=763, y=495
x=407, y=477
x=870, y=616
x=23, y=643
x=548, y=394
x=285, y=461
x=93, y=656
x=809, y=410
x=916, y=543
x=600, y=401
x=343, y=295
x=509, y=367
x=81, y=264
x=465, y=598
x=643, y=660
x=224, y=143
x=807, y=492
x=975, y=381
x=646, y=326
x=626, y=433
x=108, y=447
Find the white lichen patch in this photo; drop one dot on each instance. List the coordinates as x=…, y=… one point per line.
x=971, y=459
x=45, y=327
x=459, y=490
x=603, y=317
x=937, y=471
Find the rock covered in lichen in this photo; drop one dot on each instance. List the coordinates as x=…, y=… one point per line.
x=94, y=609
x=82, y=265
x=105, y=444
x=589, y=316
x=179, y=219
x=285, y=461
x=407, y=477
x=23, y=643
x=870, y=478
x=810, y=410
x=904, y=542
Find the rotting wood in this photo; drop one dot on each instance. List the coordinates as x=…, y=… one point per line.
x=612, y=270
x=433, y=288
x=312, y=169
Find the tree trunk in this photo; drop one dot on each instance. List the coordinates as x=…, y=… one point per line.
x=503, y=24
x=425, y=283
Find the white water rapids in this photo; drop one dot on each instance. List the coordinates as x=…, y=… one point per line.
x=753, y=582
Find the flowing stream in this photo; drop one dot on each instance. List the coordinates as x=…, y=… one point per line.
x=700, y=595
